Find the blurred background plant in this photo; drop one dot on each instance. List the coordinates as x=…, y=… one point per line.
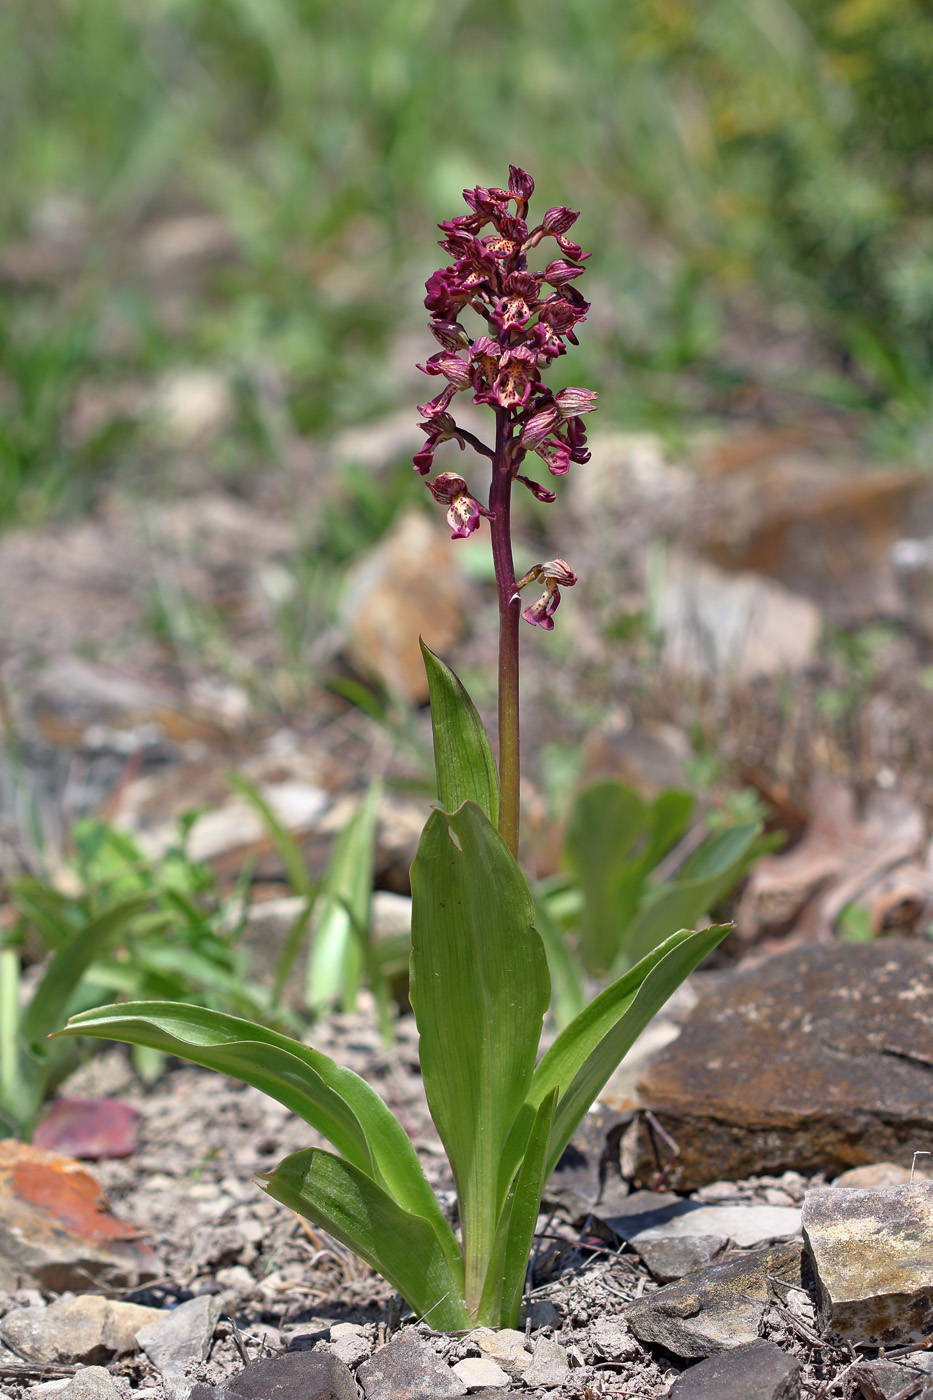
x=756, y=178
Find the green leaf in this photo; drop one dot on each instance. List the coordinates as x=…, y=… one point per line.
x=408, y=1250
x=463, y=761
x=711, y=871
x=285, y=844
x=68, y=965
x=479, y=988
x=336, y=960
x=567, y=992
x=584, y=1055
x=334, y=1100
x=502, y=1296
x=606, y=824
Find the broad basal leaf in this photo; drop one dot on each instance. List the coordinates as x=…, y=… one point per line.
x=334, y=1100
x=408, y=1250
x=479, y=988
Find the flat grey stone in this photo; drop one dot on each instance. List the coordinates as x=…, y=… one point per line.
x=717, y=1309
x=758, y=1371
x=182, y=1336
x=887, y=1377
x=549, y=1366
x=295, y=1375
x=93, y=1383
x=481, y=1373
x=872, y=1257
x=407, y=1368
x=676, y=1237
x=86, y=1329
x=818, y=1059
x=672, y=1257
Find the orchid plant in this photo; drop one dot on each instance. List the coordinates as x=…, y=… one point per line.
x=479, y=978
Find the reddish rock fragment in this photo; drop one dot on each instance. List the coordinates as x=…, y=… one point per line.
x=89, y=1128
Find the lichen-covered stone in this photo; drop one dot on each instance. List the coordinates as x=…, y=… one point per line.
x=872, y=1257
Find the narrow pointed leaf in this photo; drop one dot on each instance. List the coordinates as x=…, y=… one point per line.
x=289, y=851
x=69, y=963
x=479, y=988
x=567, y=993
x=405, y=1248
x=502, y=1296
x=336, y=960
x=585, y=1054
x=334, y=1100
x=710, y=872
x=463, y=761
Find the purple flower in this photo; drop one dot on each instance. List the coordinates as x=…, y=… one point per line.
x=464, y=514
x=554, y=572
x=523, y=318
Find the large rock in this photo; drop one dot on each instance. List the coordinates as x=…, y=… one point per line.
x=818, y=1059
x=718, y=1309
x=872, y=1257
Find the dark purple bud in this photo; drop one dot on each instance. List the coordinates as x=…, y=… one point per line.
x=537, y=428
x=572, y=401
x=559, y=272
x=513, y=228
x=559, y=219
x=449, y=334
x=521, y=185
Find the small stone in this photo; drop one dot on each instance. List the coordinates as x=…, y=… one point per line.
x=543, y=1313
x=407, y=1368
x=759, y=1369
x=888, y=1378
x=295, y=1375
x=872, y=1257
x=478, y=1372
x=349, y=1347
x=612, y=1340
x=876, y=1174
x=507, y=1349
x=549, y=1366
x=718, y=1309
x=86, y=1329
x=93, y=1383
x=177, y=1338
x=675, y=1257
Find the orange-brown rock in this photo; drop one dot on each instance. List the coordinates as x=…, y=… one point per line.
x=56, y=1232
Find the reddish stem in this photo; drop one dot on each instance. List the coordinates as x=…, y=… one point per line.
x=500, y=498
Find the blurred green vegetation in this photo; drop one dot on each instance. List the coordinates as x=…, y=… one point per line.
x=750, y=173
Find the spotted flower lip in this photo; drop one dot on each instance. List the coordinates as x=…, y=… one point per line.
x=465, y=511
x=554, y=574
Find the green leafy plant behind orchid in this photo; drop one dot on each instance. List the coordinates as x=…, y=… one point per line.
x=479, y=976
